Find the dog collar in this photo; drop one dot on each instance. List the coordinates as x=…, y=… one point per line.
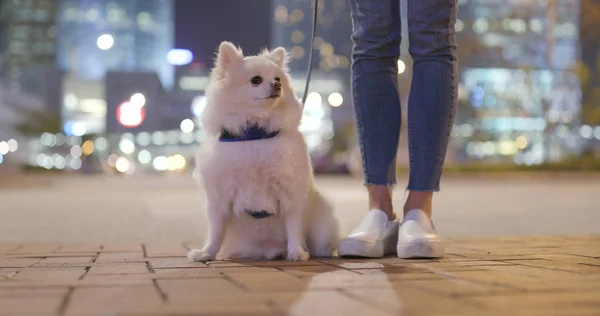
x=252, y=132
x=259, y=214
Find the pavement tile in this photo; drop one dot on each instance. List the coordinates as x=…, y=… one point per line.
x=33, y=291
x=6, y=273
x=182, y=262
x=116, y=279
x=171, y=249
x=587, y=251
x=120, y=257
x=65, y=262
x=559, y=265
x=78, y=248
x=18, y=262
x=143, y=300
x=270, y=281
x=49, y=274
x=35, y=248
x=187, y=273
x=285, y=263
x=401, y=299
x=569, y=258
x=564, y=301
x=30, y=305
x=122, y=247
x=340, y=279
x=324, y=303
x=8, y=247
x=120, y=268
x=492, y=276
x=228, y=270
x=198, y=287
x=458, y=287
x=309, y=271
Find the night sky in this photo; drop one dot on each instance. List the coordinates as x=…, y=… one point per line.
x=200, y=25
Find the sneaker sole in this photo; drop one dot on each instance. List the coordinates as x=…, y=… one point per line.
x=421, y=249
x=355, y=248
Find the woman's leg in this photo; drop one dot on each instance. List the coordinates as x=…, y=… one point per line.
x=431, y=108
x=376, y=37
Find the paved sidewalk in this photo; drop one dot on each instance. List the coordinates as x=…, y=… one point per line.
x=501, y=276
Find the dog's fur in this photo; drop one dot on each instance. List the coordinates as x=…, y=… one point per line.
x=272, y=175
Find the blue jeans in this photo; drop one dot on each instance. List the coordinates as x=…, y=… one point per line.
x=432, y=100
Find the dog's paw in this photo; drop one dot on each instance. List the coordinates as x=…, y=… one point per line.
x=322, y=253
x=298, y=255
x=200, y=256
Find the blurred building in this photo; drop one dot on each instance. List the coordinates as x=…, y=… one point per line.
x=519, y=98
x=97, y=36
x=101, y=36
x=27, y=37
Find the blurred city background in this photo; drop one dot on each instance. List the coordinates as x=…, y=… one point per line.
x=117, y=86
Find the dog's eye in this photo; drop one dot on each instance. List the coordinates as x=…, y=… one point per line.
x=277, y=79
x=256, y=80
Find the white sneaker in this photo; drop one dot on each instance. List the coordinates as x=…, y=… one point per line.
x=374, y=237
x=417, y=237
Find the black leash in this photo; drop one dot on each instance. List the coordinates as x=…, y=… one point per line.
x=312, y=50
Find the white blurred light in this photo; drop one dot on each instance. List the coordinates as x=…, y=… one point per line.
x=179, y=57
x=586, y=131
x=198, y=105
x=159, y=138
x=144, y=157
x=112, y=159
x=1, y=159
x=314, y=97
x=597, y=132
x=176, y=162
x=105, y=41
x=78, y=129
x=187, y=126
x=13, y=145
x=160, y=163
x=101, y=144
x=127, y=146
x=75, y=163
x=401, y=66
x=138, y=99
x=172, y=137
x=459, y=25
x=60, y=162
x=76, y=151
x=122, y=164
x=335, y=99
x=143, y=139
x=70, y=101
x=3, y=148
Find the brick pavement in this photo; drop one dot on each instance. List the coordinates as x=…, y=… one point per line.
x=558, y=275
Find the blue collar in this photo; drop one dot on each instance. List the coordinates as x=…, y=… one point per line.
x=252, y=132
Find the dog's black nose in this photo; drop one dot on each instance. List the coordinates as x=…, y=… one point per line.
x=276, y=85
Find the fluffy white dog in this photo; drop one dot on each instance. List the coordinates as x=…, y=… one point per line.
x=254, y=166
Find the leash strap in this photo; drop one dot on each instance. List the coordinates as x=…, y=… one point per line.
x=312, y=50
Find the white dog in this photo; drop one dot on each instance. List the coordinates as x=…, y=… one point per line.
x=254, y=165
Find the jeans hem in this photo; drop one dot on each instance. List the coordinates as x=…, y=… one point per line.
x=423, y=190
x=387, y=184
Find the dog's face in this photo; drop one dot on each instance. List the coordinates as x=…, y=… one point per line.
x=250, y=89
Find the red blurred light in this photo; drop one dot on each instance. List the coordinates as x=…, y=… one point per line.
x=130, y=115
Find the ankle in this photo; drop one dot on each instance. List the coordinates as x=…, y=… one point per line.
x=419, y=200
x=380, y=197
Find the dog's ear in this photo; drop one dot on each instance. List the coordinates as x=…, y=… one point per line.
x=228, y=55
x=280, y=56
